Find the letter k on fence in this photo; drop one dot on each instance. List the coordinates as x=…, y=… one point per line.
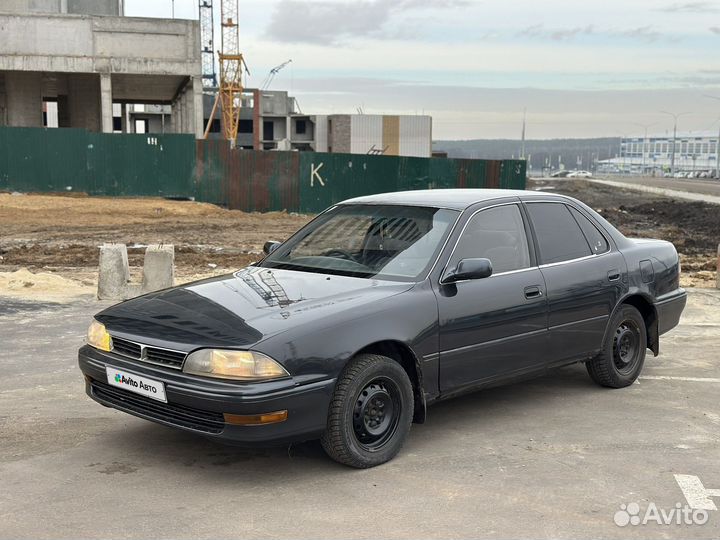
x=315, y=173
x=698, y=496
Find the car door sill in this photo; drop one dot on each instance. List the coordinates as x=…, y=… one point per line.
x=490, y=382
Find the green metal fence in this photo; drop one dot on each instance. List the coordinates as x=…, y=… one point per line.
x=55, y=160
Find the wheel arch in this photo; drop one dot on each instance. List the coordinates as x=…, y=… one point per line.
x=649, y=314
x=403, y=355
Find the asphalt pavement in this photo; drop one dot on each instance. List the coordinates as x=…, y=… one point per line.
x=554, y=457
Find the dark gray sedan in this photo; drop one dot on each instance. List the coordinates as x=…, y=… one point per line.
x=380, y=306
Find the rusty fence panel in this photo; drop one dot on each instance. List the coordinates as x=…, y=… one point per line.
x=53, y=160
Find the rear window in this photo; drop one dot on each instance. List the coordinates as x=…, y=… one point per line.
x=597, y=241
x=558, y=234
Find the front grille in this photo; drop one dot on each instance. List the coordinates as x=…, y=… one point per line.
x=155, y=355
x=162, y=356
x=171, y=413
x=126, y=348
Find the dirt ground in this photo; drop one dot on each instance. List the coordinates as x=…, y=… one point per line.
x=694, y=227
x=61, y=234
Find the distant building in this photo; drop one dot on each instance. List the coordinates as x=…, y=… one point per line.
x=693, y=152
x=272, y=120
x=70, y=63
x=388, y=135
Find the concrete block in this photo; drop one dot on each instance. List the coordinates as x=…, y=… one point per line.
x=114, y=272
x=159, y=267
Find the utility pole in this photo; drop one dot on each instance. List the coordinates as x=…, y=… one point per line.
x=674, y=139
x=717, y=148
x=522, y=148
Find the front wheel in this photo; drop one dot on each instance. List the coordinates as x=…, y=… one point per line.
x=370, y=412
x=623, y=353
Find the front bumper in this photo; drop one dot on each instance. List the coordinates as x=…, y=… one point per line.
x=669, y=308
x=197, y=405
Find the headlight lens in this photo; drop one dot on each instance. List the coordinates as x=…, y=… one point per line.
x=238, y=365
x=98, y=337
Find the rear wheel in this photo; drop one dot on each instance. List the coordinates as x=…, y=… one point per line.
x=370, y=412
x=623, y=354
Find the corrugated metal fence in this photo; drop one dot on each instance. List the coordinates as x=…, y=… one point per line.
x=54, y=160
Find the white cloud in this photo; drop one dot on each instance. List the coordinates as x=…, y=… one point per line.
x=331, y=22
x=691, y=7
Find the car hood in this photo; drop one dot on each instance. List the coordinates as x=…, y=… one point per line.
x=241, y=309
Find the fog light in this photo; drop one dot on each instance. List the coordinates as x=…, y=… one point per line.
x=255, y=419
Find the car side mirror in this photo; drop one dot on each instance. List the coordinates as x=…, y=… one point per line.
x=469, y=269
x=270, y=246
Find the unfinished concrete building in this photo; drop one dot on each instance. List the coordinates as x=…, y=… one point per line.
x=269, y=120
x=272, y=120
x=83, y=56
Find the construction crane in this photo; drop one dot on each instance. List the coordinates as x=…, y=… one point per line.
x=232, y=65
x=271, y=75
x=207, y=43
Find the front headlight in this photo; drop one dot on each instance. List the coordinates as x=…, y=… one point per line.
x=238, y=365
x=98, y=337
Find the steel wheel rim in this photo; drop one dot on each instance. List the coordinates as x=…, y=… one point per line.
x=376, y=414
x=626, y=347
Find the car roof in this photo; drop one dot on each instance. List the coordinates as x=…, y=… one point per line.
x=456, y=199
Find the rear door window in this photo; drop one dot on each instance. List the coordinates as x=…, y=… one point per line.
x=558, y=234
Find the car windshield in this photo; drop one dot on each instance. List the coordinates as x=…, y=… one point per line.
x=371, y=241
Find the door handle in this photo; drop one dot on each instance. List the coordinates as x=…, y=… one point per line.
x=533, y=292
x=613, y=275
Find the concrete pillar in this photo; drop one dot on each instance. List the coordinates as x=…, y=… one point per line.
x=23, y=92
x=187, y=112
x=158, y=268
x=84, y=101
x=106, y=102
x=288, y=130
x=177, y=114
x=123, y=118
x=257, y=121
x=199, y=115
x=181, y=113
x=114, y=272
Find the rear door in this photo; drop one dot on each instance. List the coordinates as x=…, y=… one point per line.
x=494, y=327
x=584, y=275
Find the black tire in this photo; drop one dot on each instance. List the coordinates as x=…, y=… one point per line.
x=370, y=412
x=623, y=353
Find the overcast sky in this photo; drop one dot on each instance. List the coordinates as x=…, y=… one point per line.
x=583, y=68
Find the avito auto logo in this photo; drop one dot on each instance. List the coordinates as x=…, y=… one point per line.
x=129, y=381
x=119, y=378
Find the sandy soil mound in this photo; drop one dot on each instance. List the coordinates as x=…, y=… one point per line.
x=42, y=286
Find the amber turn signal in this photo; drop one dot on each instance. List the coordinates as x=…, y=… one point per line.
x=256, y=419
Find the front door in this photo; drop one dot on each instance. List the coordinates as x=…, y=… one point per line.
x=494, y=327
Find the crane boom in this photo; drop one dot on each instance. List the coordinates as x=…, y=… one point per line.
x=271, y=74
